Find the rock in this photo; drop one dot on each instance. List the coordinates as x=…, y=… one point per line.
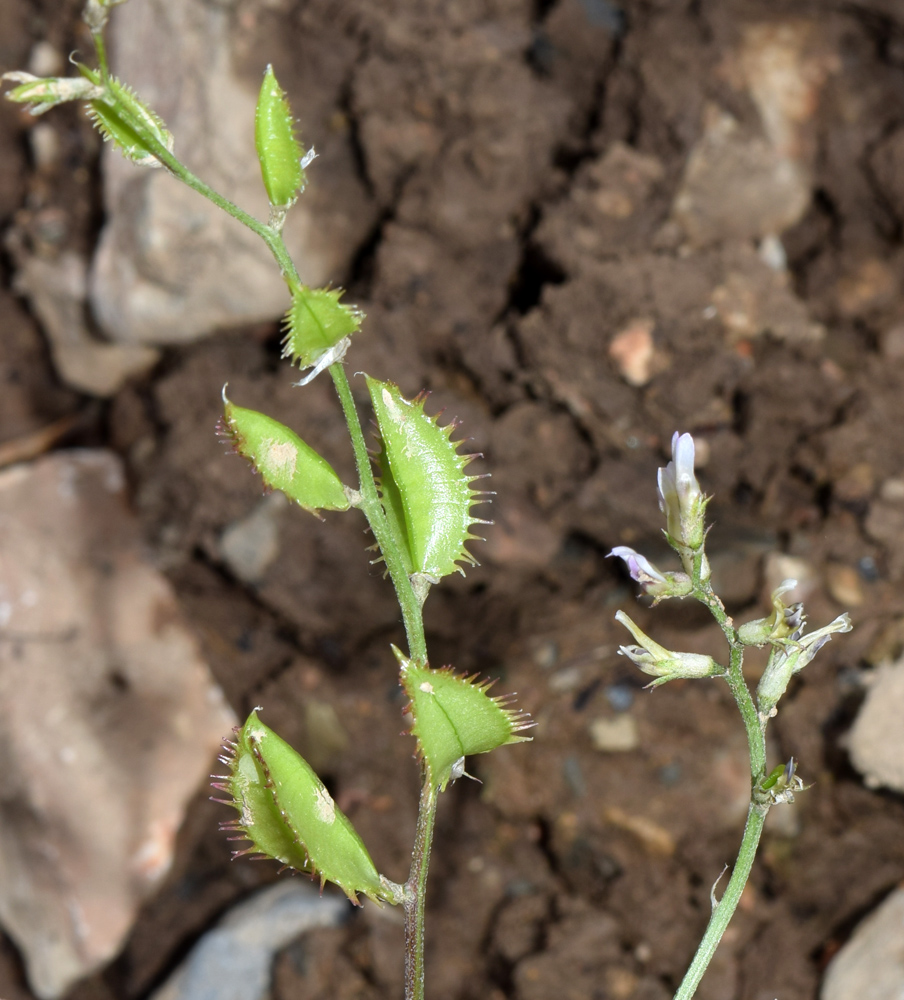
x=655, y=839
x=736, y=185
x=845, y=585
x=876, y=740
x=887, y=162
x=741, y=182
x=885, y=524
x=871, y=284
x=754, y=298
x=871, y=965
x=633, y=353
x=171, y=267
x=57, y=292
x=109, y=719
x=618, y=735
x=249, y=546
x=233, y=961
x=779, y=567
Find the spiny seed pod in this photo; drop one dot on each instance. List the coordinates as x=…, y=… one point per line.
x=318, y=327
x=288, y=815
x=278, y=149
x=423, y=483
x=454, y=717
x=120, y=116
x=283, y=460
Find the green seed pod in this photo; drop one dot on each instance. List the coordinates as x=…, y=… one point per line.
x=423, y=483
x=287, y=814
x=119, y=117
x=283, y=460
x=318, y=327
x=454, y=717
x=278, y=149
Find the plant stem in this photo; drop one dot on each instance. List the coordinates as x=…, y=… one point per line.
x=756, y=738
x=415, y=904
x=759, y=806
x=174, y=165
x=727, y=905
x=410, y=605
x=373, y=509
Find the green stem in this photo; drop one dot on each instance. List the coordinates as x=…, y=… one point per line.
x=409, y=602
x=759, y=805
x=100, y=49
x=373, y=509
x=727, y=905
x=415, y=905
x=269, y=235
x=756, y=737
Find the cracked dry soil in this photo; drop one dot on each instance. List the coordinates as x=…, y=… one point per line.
x=521, y=162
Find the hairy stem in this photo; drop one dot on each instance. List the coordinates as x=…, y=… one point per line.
x=415, y=905
x=727, y=905
x=390, y=547
x=371, y=505
x=759, y=806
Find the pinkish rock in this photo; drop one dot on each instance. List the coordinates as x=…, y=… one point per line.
x=109, y=718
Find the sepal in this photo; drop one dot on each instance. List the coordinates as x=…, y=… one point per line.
x=40, y=94
x=662, y=663
x=788, y=657
x=284, y=461
x=318, y=328
x=287, y=814
x=121, y=118
x=426, y=492
x=278, y=148
x=783, y=623
x=454, y=717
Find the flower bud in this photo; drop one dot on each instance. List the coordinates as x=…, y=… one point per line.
x=682, y=501
x=656, y=584
x=662, y=663
x=42, y=94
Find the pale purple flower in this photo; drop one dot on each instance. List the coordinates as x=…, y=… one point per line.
x=640, y=568
x=680, y=496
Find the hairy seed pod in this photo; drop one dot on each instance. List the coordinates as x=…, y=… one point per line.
x=283, y=460
x=454, y=717
x=423, y=483
x=278, y=148
x=288, y=815
x=318, y=327
x=120, y=124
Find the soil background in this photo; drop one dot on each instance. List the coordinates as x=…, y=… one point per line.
x=518, y=166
